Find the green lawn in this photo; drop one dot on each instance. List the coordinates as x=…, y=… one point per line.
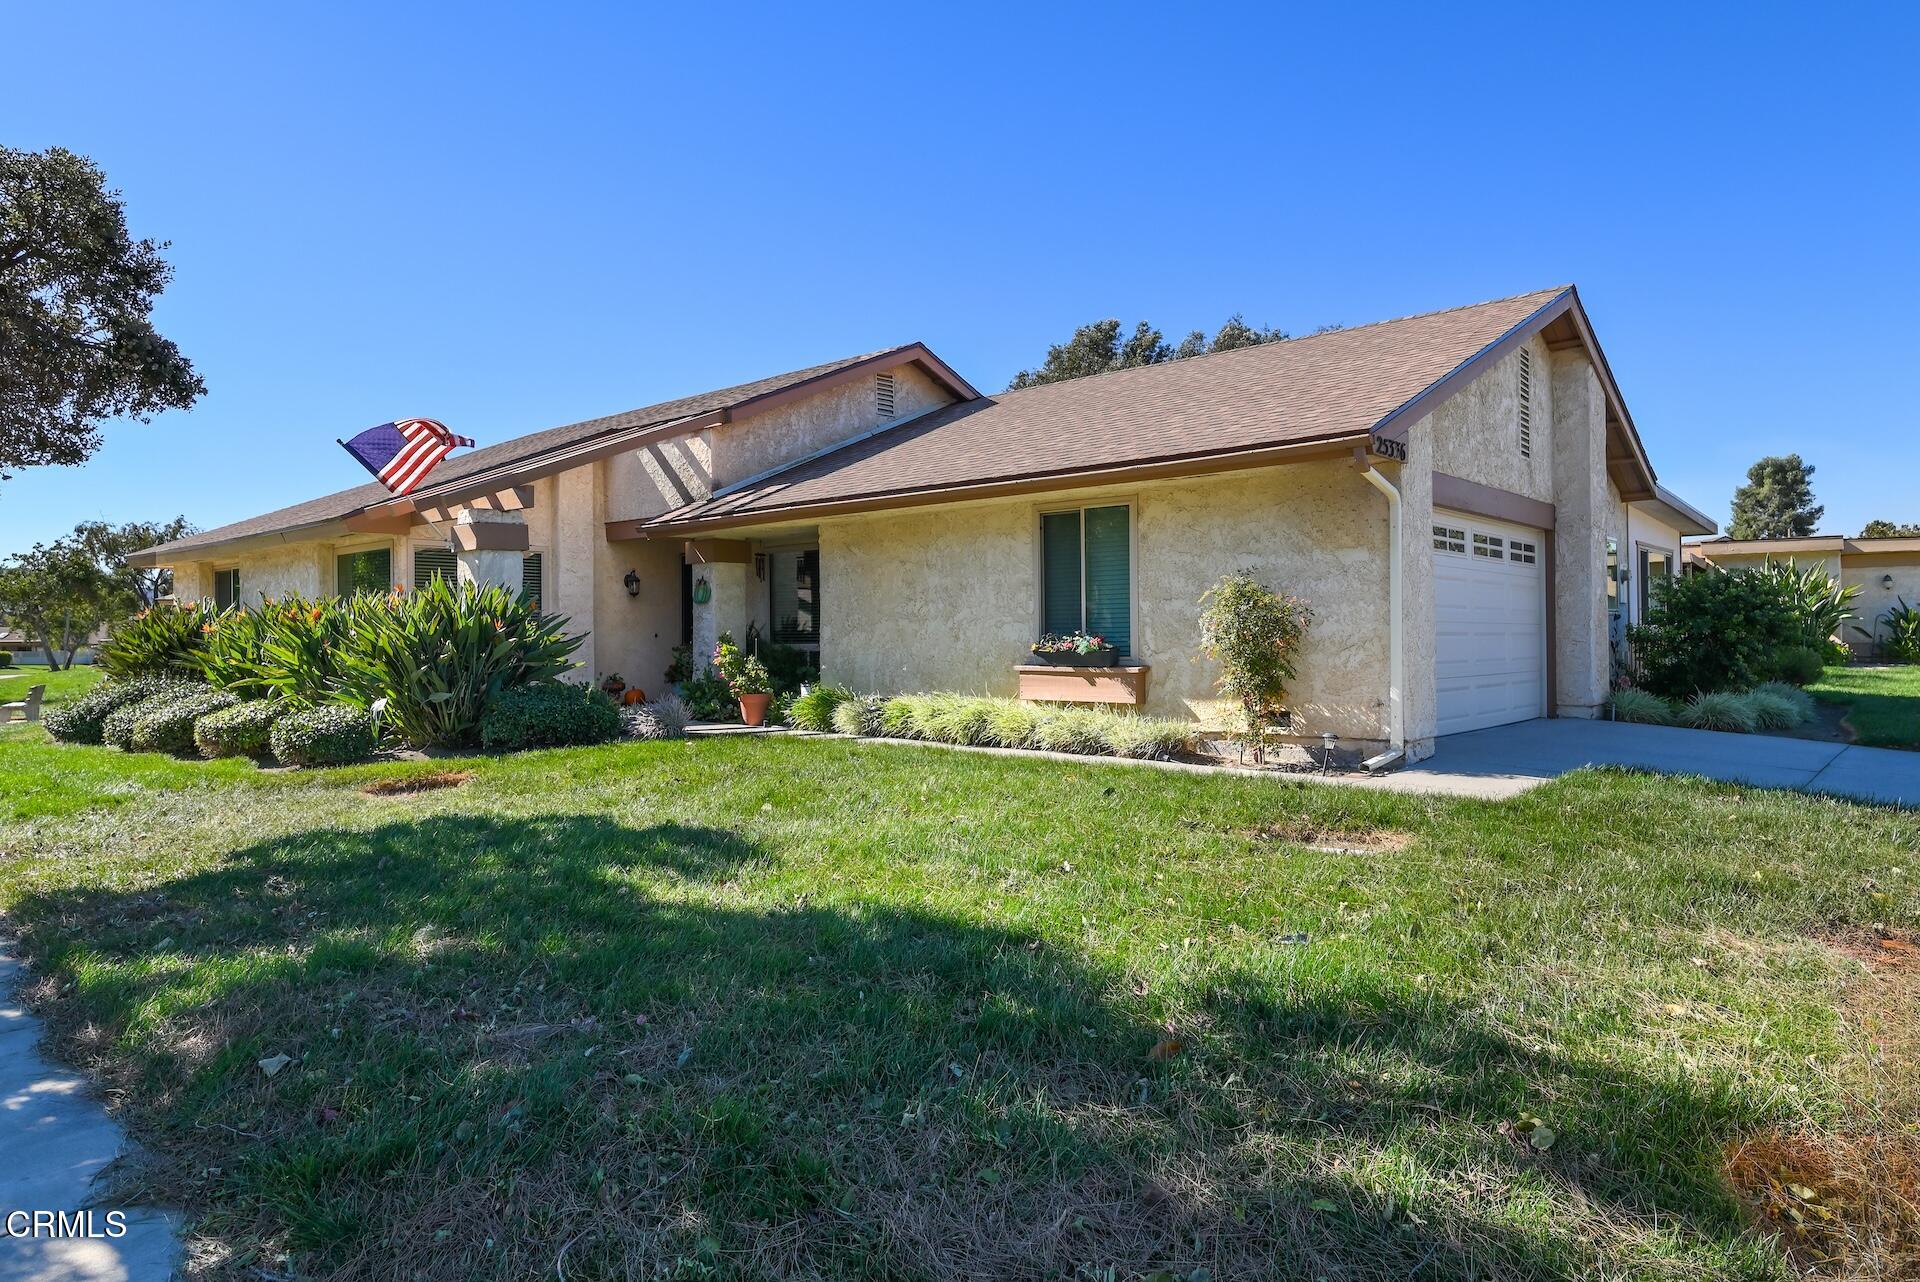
x=1885, y=702
x=68, y=683
x=753, y=1008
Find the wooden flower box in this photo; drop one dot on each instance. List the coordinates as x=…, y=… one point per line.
x=1053, y=683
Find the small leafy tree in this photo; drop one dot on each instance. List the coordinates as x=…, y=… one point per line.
x=57, y=596
x=1712, y=632
x=1877, y=529
x=1253, y=633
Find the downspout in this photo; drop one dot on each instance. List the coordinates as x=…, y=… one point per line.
x=1396, y=629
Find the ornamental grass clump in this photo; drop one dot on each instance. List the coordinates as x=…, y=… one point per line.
x=662, y=718
x=1253, y=633
x=242, y=730
x=167, y=725
x=1077, y=730
x=814, y=710
x=897, y=717
x=1803, y=704
x=1770, y=711
x=1718, y=710
x=1641, y=707
x=859, y=715
x=1013, y=724
x=1148, y=738
x=954, y=718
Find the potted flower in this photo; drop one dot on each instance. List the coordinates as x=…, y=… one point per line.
x=1075, y=650
x=747, y=678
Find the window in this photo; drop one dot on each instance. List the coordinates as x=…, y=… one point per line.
x=1653, y=564
x=1489, y=546
x=793, y=592
x=1448, y=539
x=1086, y=574
x=226, y=588
x=531, y=584
x=432, y=563
x=368, y=571
x=1524, y=553
x=883, y=391
x=1526, y=402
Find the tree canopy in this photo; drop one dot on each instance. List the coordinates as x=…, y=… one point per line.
x=1877, y=529
x=1098, y=347
x=1777, y=501
x=77, y=345
x=59, y=592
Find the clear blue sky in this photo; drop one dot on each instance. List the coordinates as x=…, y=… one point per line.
x=514, y=217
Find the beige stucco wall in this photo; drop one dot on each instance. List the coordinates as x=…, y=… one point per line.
x=948, y=598
x=1476, y=432
x=1876, y=597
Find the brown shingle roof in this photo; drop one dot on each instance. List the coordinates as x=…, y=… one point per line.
x=1324, y=387
x=520, y=449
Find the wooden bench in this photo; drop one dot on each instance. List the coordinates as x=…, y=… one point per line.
x=28, y=710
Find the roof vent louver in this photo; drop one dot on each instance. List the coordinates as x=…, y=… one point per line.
x=883, y=394
x=1526, y=403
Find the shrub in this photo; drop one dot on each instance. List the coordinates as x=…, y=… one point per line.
x=167, y=725
x=662, y=718
x=1252, y=632
x=1013, y=724
x=435, y=659
x=859, y=715
x=1813, y=600
x=1718, y=710
x=1770, y=711
x=708, y=697
x=332, y=734
x=1798, y=665
x=161, y=639
x=243, y=730
x=1802, y=703
x=1078, y=730
x=814, y=709
x=1639, y=706
x=1896, y=633
x=6, y=658
x=1148, y=738
x=1711, y=632
x=116, y=730
x=553, y=714
x=82, y=720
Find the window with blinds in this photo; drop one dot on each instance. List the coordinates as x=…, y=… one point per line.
x=432, y=563
x=531, y=585
x=793, y=588
x=1086, y=574
x=358, y=572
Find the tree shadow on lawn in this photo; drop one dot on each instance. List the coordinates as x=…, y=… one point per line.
x=510, y=1038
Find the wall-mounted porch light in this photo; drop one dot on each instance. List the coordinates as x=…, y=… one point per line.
x=760, y=566
x=633, y=583
x=1886, y=581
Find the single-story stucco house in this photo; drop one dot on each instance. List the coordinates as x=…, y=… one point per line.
x=1886, y=570
x=1461, y=496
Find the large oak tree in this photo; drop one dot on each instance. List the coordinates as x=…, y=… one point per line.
x=77, y=345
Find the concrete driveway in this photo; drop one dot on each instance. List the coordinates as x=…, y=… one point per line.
x=1507, y=760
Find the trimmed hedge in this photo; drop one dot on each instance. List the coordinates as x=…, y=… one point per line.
x=555, y=714
x=167, y=726
x=82, y=720
x=244, y=730
x=117, y=729
x=329, y=735
x=6, y=658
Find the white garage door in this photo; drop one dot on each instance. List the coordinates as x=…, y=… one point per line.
x=1490, y=642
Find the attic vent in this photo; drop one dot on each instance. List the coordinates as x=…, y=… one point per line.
x=1526, y=403
x=883, y=394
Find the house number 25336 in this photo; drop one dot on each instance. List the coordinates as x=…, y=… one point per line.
x=1391, y=449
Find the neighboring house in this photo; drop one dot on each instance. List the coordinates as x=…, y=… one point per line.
x=25, y=650
x=1461, y=496
x=1886, y=570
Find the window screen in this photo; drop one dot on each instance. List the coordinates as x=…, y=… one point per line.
x=429, y=563
x=369, y=571
x=226, y=588
x=793, y=584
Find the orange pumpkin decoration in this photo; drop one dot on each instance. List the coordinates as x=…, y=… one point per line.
x=634, y=695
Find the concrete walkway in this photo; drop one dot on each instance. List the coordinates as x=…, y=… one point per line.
x=55, y=1138
x=1508, y=760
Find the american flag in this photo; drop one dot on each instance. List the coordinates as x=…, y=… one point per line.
x=401, y=453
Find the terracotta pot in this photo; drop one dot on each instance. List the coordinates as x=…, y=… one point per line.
x=753, y=708
x=634, y=695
